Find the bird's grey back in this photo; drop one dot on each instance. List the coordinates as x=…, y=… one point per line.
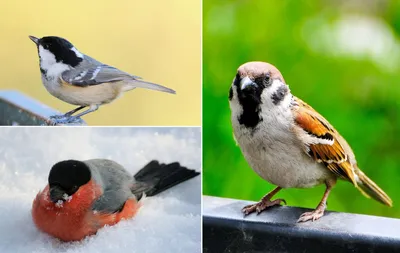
x=115, y=182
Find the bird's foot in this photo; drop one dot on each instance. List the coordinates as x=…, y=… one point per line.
x=313, y=216
x=261, y=206
x=59, y=116
x=64, y=120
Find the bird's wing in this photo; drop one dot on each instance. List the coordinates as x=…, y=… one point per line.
x=111, y=201
x=115, y=183
x=95, y=75
x=322, y=142
x=98, y=74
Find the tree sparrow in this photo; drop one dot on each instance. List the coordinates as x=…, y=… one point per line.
x=287, y=142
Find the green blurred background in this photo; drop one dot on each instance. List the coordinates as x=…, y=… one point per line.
x=342, y=57
x=157, y=40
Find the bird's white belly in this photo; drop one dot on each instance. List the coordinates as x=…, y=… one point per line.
x=282, y=162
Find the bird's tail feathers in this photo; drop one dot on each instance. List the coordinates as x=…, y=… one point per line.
x=370, y=189
x=135, y=83
x=155, y=178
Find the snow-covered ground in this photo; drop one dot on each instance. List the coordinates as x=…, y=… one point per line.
x=169, y=222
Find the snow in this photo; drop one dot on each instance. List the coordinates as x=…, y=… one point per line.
x=169, y=222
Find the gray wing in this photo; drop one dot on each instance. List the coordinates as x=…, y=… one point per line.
x=92, y=72
x=110, y=202
x=116, y=183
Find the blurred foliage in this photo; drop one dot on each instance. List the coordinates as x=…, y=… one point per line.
x=354, y=85
x=157, y=40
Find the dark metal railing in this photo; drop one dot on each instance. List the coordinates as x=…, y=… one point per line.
x=18, y=109
x=275, y=230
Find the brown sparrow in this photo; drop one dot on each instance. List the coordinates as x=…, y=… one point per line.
x=287, y=142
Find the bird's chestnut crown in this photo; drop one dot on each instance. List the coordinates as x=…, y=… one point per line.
x=69, y=175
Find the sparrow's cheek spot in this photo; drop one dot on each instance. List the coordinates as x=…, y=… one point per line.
x=230, y=93
x=280, y=94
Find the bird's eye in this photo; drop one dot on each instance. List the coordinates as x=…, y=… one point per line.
x=267, y=78
x=74, y=188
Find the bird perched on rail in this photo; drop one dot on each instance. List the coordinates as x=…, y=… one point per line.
x=78, y=79
x=287, y=142
x=84, y=196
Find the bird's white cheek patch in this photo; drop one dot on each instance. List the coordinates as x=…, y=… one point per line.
x=48, y=62
x=46, y=58
x=273, y=88
x=236, y=108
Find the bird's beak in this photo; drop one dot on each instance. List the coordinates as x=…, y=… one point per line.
x=56, y=194
x=246, y=82
x=34, y=39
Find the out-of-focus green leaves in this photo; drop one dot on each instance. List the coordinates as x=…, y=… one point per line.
x=355, y=86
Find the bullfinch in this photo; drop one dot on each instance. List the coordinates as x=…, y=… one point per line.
x=83, y=196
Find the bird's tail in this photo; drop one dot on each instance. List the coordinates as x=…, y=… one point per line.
x=135, y=83
x=370, y=189
x=155, y=178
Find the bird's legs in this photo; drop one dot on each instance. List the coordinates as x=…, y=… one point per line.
x=264, y=203
x=92, y=108
x=67, y=114
x=68, y=118
x=319, y=211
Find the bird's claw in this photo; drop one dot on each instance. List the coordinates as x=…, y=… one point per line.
x=63, y=120
x=313, y=216
x=261, y=206
x=59, y=116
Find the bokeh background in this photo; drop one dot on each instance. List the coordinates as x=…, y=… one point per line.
x=157, y=40
x=342, y=57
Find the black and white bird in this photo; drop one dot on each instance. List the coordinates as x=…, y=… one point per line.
x=288, y=143
x=78, y=79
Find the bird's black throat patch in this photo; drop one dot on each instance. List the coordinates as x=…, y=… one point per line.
x=250, y=99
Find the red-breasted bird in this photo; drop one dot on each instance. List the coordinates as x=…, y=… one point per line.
x=83, y=196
